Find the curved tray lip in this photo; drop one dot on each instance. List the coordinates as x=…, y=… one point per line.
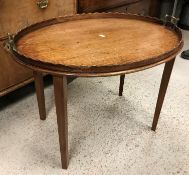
x=94, y=71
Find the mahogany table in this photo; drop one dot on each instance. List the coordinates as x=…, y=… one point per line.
x=94, y=45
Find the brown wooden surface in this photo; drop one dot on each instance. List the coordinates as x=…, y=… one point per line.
x=154, y=9
x=121, y=85
x=105, y=41
x=11, y=72
x=100, y=44
x=17, y=14
x=39, y=87
x=163, y=88
x=99, y=5
x=60, y=90
x=143, y=7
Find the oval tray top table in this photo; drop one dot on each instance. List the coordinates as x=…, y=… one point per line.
x=93, y=45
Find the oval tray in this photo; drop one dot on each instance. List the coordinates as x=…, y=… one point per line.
x=97, y=44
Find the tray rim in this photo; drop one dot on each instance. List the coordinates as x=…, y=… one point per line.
x=94, y=71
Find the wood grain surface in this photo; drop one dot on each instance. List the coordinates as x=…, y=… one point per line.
x=14, y=15
x=97, y=43
x=96, y=5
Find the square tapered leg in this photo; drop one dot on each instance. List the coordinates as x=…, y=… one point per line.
x=162, y=91
x=39, y=87
x=121, y=85
x=60, y=90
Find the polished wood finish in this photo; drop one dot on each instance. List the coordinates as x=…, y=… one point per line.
x=122, y=78
x=154, y=9
x=12, y=74
x=12, y=20
x=60, y=90
x=94, y=37
x=38, y=77
x=85, y=6
x=13, y=17
x=142, y=7
x=92, y=41
x=163, y=88
x=17, y=86
x=84, y=57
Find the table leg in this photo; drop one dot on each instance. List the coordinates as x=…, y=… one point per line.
x=163, y=88
x=60, y=90
x=38, y=77
x=122, y=79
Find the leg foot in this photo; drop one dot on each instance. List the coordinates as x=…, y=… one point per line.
x=38, y=77
x=163, y=88
x=60, y=90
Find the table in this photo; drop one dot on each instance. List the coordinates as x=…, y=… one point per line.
x=93, y=45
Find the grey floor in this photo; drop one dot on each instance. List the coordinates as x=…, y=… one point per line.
x=108, y=135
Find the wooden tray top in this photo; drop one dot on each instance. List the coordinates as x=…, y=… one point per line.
x=98, y=44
